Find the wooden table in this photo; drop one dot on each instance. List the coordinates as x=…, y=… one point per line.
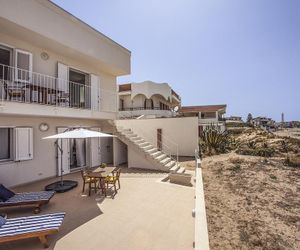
x=101, y=174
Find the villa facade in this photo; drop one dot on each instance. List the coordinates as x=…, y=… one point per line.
x=56, y=73
x=150, y=99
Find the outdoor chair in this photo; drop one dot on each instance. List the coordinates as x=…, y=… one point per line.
x=92, y=182
x=14, y=91
x=35, y=199
x=39, y=226
x=113, y=180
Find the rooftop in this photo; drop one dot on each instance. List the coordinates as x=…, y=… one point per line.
x=145, y=214
x=206, y=108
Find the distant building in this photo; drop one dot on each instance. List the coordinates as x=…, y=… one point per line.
x=207, y=115
x=150, y=99
x=264, y=123
x=234, y=119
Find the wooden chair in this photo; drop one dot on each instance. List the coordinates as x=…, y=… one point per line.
x=88, y=180
x=114, y=179
x=39, y=226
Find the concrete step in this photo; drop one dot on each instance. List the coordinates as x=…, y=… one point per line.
x=137, y=138
x=181, y=170
x=170, y=164
x=174, y=168
x=146, y=147
x=152, y=150
x=139, y=141
x=165, y=160
x=156, y=154
x=143, y=144
x=160, y=157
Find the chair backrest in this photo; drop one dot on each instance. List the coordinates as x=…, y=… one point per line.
x=84, y=173
x=116, y=173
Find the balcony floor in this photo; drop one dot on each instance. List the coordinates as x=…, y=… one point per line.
x=145, y=214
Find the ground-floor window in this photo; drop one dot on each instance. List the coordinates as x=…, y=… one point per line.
x=6, y=144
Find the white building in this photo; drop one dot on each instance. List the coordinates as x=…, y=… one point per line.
x=153, y=100
x=207, y=115
x=56, y=73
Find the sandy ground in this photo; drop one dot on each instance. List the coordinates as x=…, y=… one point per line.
x=290, y=132
x=251, y=203
x=145, y=214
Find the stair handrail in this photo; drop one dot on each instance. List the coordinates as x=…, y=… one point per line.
x=140, y=132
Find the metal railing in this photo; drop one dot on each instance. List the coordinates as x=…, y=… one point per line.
x=142, y=108
x=19, y=85
x=165, y=148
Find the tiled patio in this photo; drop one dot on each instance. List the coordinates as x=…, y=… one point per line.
x=145, y=214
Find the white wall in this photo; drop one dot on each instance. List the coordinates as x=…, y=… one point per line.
x=120, y=152
x=181, y=131
x=135, y=160
x=44, y=163
x=108, y=85
x=49, y=25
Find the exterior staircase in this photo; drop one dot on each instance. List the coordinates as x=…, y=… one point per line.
x=159, y=159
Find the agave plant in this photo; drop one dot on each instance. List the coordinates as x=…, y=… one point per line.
x=213, y=140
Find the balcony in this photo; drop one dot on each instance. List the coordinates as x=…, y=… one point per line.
x=147, y=111
x=23, y=86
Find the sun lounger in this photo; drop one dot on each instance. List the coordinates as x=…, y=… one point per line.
x=39, y=226
x=35, y=199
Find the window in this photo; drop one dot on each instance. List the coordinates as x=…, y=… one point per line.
x=23, y=62
x=148, y=104
x=121, y=104
x=79, y=93
x=208, y=115
x=5, y=62
x=6, y=144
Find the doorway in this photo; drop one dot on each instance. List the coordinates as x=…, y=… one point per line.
x=106, y=149
x=79, y=89
x=78, y=153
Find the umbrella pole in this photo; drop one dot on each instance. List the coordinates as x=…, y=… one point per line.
x=61, y=163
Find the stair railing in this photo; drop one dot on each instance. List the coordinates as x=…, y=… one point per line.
x=165, y=148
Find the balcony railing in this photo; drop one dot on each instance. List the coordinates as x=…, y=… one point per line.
x=142, y=108
x=19, y=85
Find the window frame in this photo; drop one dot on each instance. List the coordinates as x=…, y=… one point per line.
x=16, y=51
x=11, y=144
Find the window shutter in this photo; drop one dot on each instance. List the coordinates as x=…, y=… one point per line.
x=23, y=144
x=95, y=93
x=63, y=77
x=23, y=64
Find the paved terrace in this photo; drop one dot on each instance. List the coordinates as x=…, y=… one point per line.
x=145, y=214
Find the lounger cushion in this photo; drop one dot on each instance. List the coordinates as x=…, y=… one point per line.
x=29, y=197
x=2, y=221
x=5, y=193
x=29, y=224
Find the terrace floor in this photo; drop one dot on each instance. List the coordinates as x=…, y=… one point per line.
x=145, y=214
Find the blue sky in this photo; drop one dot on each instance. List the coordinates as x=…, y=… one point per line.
x=244, y=53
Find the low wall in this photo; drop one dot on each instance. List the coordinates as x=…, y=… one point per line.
x=182, y=131
x=201, y=231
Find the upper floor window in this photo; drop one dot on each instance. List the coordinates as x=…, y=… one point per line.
x=208, y=115
x=148, y=104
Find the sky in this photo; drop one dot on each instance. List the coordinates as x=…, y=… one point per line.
x=243, y=53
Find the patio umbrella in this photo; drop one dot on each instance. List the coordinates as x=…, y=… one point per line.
x=80, y=133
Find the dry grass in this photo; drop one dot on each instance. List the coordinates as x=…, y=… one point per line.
x=252, y=202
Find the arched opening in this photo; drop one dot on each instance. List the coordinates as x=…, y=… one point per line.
x=148, y=104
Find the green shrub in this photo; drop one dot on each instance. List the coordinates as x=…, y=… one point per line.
x=213, y=141
x=264, y=152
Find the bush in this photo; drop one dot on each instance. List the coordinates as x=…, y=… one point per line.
x=213, y=141
x=264, y=152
